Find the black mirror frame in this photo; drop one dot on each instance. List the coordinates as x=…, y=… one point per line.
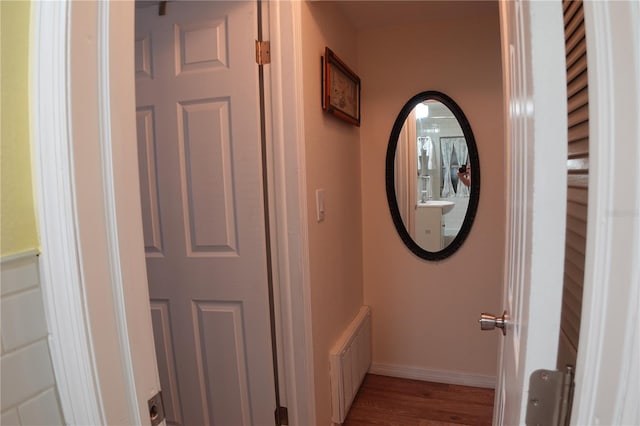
x=390, y=176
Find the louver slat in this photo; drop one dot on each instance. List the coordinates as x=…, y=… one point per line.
x=578, y=179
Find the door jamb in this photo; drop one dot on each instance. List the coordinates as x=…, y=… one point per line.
x=607, y=371
x=287, y=178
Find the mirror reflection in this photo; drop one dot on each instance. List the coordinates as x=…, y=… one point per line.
x=437, y=180
x=431, y=159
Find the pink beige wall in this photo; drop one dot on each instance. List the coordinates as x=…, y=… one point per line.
x=425, y=313
x=333, y=164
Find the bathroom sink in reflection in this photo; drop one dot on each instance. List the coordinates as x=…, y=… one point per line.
x=446, y=206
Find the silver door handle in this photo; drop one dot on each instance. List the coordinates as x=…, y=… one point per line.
x=490, y=322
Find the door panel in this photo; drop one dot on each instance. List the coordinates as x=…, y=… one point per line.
x=220, y=325
x=205, y=160
x=161, y=321
x=201, y=184
x=535, y=108
x=148, y=169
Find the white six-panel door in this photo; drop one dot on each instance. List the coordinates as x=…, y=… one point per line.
x=201, y=189
x=536, y=135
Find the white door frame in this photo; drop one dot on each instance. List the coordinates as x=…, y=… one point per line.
x=607, y=371
x=92, y=263
x=65, y=303
x=91, y=285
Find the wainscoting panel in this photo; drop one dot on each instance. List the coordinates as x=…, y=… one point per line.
x=29, y=393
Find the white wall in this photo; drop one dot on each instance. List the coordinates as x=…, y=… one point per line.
x=332, y=163
x=425, y=313
x=29, y=395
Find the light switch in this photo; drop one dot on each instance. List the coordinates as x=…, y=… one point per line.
x=320, y=205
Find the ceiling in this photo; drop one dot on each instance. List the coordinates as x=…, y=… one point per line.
x=364, y=14
x=146, y=3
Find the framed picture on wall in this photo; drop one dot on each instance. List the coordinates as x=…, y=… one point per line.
x=340, y=89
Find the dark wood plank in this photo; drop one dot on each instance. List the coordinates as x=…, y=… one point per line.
x=390, y=401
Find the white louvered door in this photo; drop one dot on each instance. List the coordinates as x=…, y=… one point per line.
x=577, y=181
x=201, y=189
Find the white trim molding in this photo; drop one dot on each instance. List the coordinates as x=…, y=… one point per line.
x=287, y=178
x=436, y=376
x=61, y=275
x=109, y=166
x=607, y=371
x=29, y=391
x=92, y=263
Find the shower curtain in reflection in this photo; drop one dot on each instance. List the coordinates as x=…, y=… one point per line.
x=460, y=146
x=447, y=149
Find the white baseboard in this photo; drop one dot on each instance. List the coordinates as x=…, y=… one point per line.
x=437, y=376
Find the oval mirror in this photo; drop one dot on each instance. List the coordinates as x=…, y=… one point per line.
x=432, y=175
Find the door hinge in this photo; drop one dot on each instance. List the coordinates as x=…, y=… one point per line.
x=550, y=397
x=282, y=416
x=263, y=52
x=162, y=8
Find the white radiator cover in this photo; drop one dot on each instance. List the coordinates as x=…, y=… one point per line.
x=350, y=359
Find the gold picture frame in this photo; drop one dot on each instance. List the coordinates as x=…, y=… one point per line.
x=340, y=89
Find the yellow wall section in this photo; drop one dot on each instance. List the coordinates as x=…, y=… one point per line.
x=18, y=230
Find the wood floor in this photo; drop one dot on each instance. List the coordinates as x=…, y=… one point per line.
x=390, y=401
